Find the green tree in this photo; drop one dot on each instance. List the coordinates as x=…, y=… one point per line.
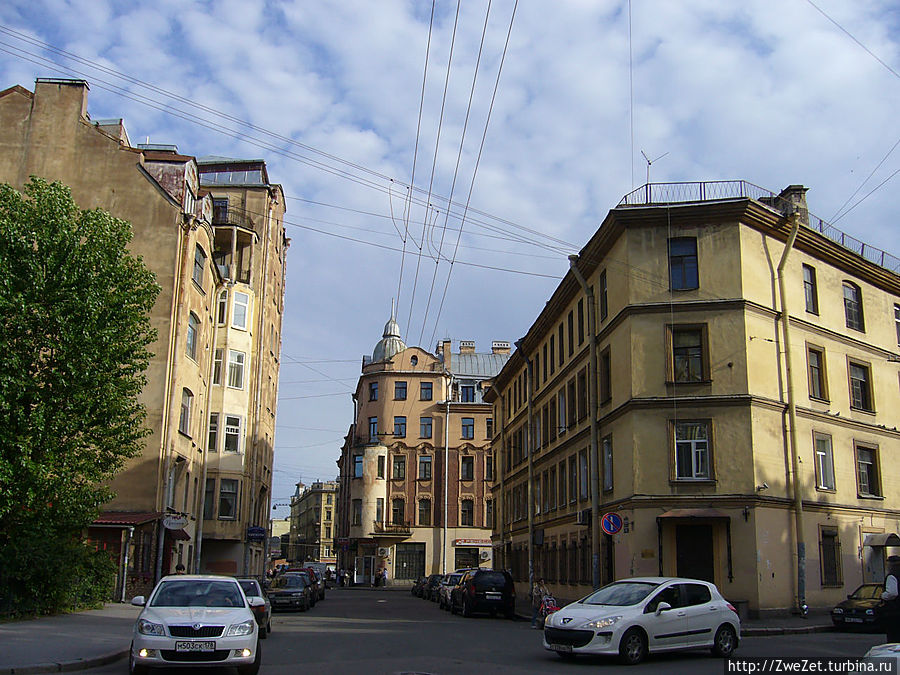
x=74, y=332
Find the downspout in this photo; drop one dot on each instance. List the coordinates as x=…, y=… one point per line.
x=792, y=421
x=529, y=446
x=446, y=469
x=125, y=563
x=595, y=427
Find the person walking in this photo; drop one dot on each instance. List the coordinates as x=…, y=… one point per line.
x=538, y=591
x=891, y=597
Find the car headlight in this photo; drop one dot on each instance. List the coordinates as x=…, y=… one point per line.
x=837, y=610
x=244, y=628
x=870, y=612
x=597, y=624
x=149, y=628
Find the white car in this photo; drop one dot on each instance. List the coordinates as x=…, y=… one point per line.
x=891, y=651
x=195, y=620
x=447, y=584
x=633, y=617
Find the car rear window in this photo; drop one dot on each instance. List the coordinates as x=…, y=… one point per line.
x=197, y=593
x=622, y=594
x=695, y=594
x=493, y=578
x=289, y=581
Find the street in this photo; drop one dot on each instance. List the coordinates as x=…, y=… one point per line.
x=372, y=631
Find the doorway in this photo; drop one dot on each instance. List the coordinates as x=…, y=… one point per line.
x=694, y=552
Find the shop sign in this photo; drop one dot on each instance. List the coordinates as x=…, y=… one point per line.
x=472, y=542
x=256, y=533
x=175, y=521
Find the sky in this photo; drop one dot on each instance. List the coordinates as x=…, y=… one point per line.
x=532, y=118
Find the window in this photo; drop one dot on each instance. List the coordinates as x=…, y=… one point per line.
x=607, y=454
x=897, y=322
x=544, y=361
x=604, y=306
x=357, y=466
x=467, y=468
x=551, y=487
x=605, y=376
x=327, y=536
x=489, y=514
x=830, y=555
x=228, y=499
x=399, y=472
x=582, y=394
x=184, y=421
x=327, y=515
x=217, y=366
x=580, y=322
x=488, y=467
x=468, y=427
x=199, y=266
x=398, y=511
x=426, y=391
x=467, y=513
x=561, y=339
x=379, y=510
x=236, y=369
x=810, y=292
x=380, y=469
x=853, y=309
x=425, y=467
x=373, y=391
x=425, y=512
x=400, y=390
x=467, y=393
x=220, y=210
x=212, y=444
x=209, y=496
x=688, y=353
x=193, y=333
x=537, y=370
x=552, y=350
x=815, y=359
x=571, y=321
x=241, y=310
x=867, y=473
x=489, y=428
x=373, y=429
x=683, y=270
x=233, y=425
x=692, y=456
x=357, y=512
x=400, y=426
x=561, y=409
x=860, y=387
x=583, y=474
x=573, y=479
x=824, y=462
x=562, y=484
x=425, y=427
x=571, y=397
x=223, y=307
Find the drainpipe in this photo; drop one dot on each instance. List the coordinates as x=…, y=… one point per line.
x=446, y=467
x=792, y=421
x=595, y=427
x=529, y=446
x=125, y=563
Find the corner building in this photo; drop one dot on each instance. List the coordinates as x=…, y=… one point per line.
x=416, y=466
x=705, y=396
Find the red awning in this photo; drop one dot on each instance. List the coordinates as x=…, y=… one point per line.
x=126, y=518
x=694, y=513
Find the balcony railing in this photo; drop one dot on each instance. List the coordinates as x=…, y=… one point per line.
x=403, y=528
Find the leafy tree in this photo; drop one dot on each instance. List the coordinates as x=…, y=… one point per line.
x=74, y=332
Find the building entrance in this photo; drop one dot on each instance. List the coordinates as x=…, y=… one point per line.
x=694, y=552
x=410, y=562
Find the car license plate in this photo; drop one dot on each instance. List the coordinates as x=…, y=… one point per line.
x=204, y=646
x=493, y=596
x=853, y=620
x=561, y=648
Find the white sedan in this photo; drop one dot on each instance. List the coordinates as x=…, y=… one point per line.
x=634, y=617
x=200, y=620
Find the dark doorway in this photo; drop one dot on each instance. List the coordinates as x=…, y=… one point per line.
x=694, y=552
x=465, y=558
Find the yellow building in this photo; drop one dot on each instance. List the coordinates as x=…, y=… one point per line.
x=416, y=466
x=155, y=521
x=313, y=523
x=731, y=445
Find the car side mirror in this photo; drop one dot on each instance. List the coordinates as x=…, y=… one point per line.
x=139, y=601
x=256, y=601
x=662, y=607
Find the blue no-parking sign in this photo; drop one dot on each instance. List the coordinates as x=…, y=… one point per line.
x=611, y=523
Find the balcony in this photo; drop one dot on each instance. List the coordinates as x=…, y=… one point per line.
x=402, y=529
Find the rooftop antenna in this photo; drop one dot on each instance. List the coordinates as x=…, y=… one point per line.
x=650, y=161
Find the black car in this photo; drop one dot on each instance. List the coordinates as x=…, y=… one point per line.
x=430, y=589
x=416, y=588
x=484, y=590
x=291, y=591
x=862, y=609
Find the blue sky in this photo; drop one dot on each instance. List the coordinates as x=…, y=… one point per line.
x=774, y=92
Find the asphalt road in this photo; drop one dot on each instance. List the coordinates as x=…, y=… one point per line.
x=375, y=631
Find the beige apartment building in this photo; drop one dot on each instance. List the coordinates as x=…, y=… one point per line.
x=416, y=466
x=155, y=521
x=313, y=523
x=745, y=404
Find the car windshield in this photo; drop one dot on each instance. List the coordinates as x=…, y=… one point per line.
x=197, y=593
x=289, y=581
x=622, y=594
x=250, y=587
x=452, y=579
x=867, y=592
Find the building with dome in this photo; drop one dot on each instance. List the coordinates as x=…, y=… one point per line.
x=416, y=466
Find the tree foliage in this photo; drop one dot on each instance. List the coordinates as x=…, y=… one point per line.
x=74, y=334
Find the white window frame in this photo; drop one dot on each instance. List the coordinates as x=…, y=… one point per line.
x=222, y=312
x=241, y=300
x=232, y=431
x=699, y=449
x=212, y=440
x=824, y=461
x=222, y=492
x=236, y=365
x=218, y=358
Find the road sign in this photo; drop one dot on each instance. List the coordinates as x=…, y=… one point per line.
x=611, y=523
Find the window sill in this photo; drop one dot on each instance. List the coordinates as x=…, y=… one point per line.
x=876, y=497
x=692, y=481
x=819, y=399
x=198, y=286
x=688, y=383
x=826, y=489
x=862, y=410
x=185, y=434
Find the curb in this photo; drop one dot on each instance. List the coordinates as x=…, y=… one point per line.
x=799, y=630
x=65, y=666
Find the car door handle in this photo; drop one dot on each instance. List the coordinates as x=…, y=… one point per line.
x=681, y=614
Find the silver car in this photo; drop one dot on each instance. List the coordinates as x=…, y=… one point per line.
x=195, y=620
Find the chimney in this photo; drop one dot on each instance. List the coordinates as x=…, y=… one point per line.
x=467, y=346
x=793, y=198
x=445, y=352
x=61, y=93
x=500, y=347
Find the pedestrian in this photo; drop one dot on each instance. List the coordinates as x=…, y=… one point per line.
x=538, y=591
x=179, y=569
x=384, y=576
x=891, y=597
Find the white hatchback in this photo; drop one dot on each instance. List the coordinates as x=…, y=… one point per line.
x=195, y=620
x=633, y=617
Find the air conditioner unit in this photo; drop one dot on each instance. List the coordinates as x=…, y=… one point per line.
x=383, y=551
x=583, y=517
x=484, y=555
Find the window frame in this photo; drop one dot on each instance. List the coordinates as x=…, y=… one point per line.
x=429, y=387
x=239, y=435
x=238, y=302
x=683, y=261
x=467, y=513
x=674, y=447
x=854, y=317
x=193, y=336
x=467, y=428
x=398, y=467
x=867, y=406
x=399, y=426
x=236, y=483
x=602, y=289
x=824, y=463
x=424, y=507
x=398, y=511
x=222, y=308
x=425, y=467
x=212, y=436
x=373, y=390
x=426, y=427
x=358, y=463
x=198, y=273
x=810, y=289
x=184, y=416
x=467, y=467
x=858, y=448
x=671, y=331
x=400, y=390
x=237, y=361
x=373, y=429
x=816, y=375
x=218, y=364
x=838, y=580
x=606, y=455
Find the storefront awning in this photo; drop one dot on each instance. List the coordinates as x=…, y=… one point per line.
x=882, y=539
x=694, y=513
x=179, y=535
x=126, y=518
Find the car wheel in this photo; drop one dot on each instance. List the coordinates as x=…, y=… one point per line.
x=134, y=668
x=633, y=647
x=725, y=642
x=452, y=606
x=466, y=609
x=253, y=668
x=566, y=656
x=269, y=626
x=263, y=633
